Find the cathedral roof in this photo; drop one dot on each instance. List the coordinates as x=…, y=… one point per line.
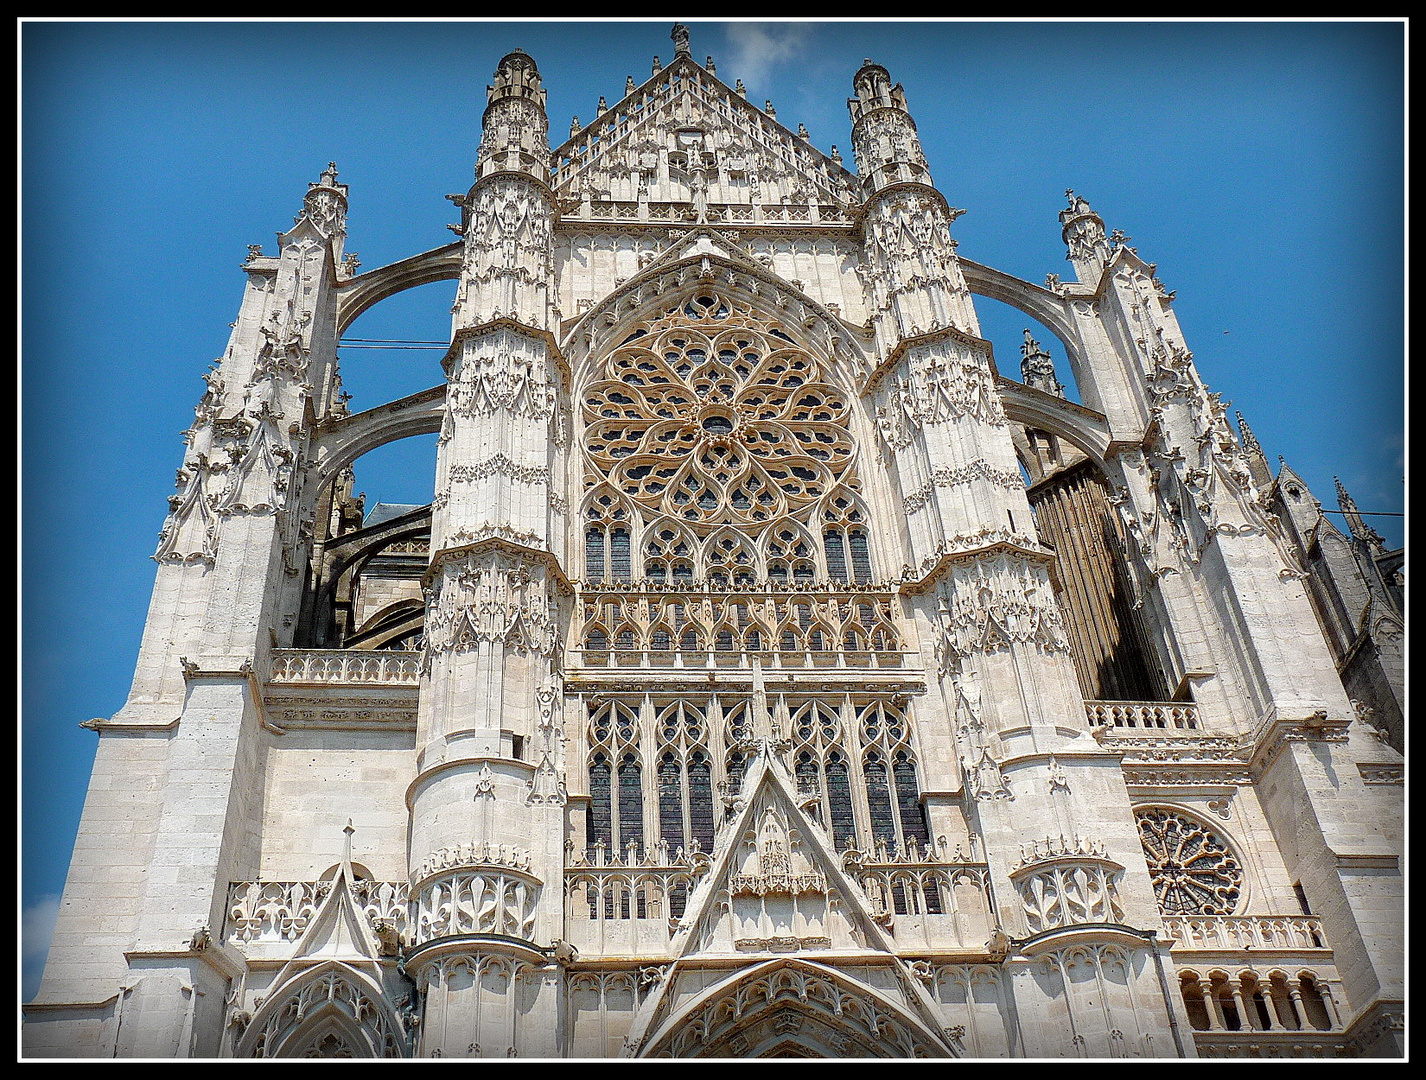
x=384, y=511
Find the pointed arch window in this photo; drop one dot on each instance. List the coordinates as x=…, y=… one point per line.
x=844, y=540
x=616, y=807
x=607, y=538
x=685, y=778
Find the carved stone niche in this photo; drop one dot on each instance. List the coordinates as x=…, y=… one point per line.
x=1067, y=883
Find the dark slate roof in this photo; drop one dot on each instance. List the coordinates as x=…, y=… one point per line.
x=386, y=511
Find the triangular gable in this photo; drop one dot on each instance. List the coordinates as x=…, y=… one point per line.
x=776, y=883
x=338, y=930
x=708, y=124
x=775, y=889
x=703, y=243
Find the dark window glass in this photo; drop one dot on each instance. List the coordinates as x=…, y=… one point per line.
x=600, y=822
x=671, y=802
x=839, y=798
x=861, y=558
x=700, y=800
x=883, y=825
x=619, y=555
x=836, y=557
x=594, y=554
x=913, y=817
x=631, y=804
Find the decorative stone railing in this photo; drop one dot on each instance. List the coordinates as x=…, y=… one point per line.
x=709, y=658
x=712, y=624
x=476, y=900
x=1155, y=715
x=346, y=667
x=1066, y=883
x=740, y=213
x=624, y=905
x=268, y=912
x=927, y=900
x=1233, y=933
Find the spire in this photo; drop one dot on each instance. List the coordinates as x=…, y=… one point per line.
x=1253, y=451
x=1037, y=369
x=1360, y=529
x=1083, y=233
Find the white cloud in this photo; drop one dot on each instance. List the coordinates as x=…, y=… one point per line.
x=36, y=928
x=761, y=47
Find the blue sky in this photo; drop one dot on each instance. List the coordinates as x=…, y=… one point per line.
x=1260, y=164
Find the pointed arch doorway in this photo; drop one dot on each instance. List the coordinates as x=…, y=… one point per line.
x=795, y=1008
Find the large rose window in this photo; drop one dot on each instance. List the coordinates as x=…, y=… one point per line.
x=1193, y=871
x=713, y=415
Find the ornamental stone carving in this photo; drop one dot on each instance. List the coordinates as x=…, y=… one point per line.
x=482, y=901
x=944, y=476
x=504, y=372
x=940, y=382
x=993, y=602
x=489, y=596
x=1064, y=882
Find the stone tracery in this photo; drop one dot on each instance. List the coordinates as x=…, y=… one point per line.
x=710, y=414
x=1193, y=870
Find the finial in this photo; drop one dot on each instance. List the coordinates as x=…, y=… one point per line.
x=603, y=106
x=329, y=176
x=1078, y=204
x=347, y=844
x=1037, y=368
x=836, y=154
x=628, y=85
x=658, y=65
x=680, y=40
x=1246, y=433
x=712, y=70
x=740, y=89
x=802, y=132
x=767, y=108
x=1360, y=529
x=574, y=127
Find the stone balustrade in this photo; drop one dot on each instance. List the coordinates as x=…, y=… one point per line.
x=1233, y=933
x=1150, y=715
x=346, y=666
x=268, y=912
x=1268, y=1000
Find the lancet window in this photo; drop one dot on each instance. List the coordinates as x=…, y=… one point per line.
x=616, y=813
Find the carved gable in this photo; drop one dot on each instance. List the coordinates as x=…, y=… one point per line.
x=777, y=886
x=684, y=137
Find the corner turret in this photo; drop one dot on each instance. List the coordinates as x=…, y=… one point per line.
x=516, y=128
x=1084, y=236
x=884, y=139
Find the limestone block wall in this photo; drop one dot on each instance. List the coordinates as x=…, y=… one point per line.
x=317, y=781
x=104, y=892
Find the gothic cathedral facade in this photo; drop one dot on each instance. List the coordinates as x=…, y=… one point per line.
x=770, y=676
